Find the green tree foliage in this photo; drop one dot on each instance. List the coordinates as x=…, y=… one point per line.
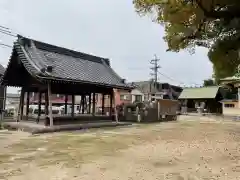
x=214, y=24
x=208, y=82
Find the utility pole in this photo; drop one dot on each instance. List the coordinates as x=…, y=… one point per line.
x=154, y=68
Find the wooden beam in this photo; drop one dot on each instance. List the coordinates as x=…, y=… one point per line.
x=50, y=104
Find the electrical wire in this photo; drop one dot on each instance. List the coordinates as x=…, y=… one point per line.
x=174, y=80
x=7, y=33
x=4, y=27
x=5, y=45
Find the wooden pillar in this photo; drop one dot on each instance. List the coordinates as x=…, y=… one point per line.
x=111, y=104
x=46, y=104
x=66, y=104
x=94, y=104
x=39, y=106
x=103, y=103
x=73, y=104
x=50, y=105
x=21, y=104
x=89, y=103
x=115, y=107
x=27, y=105
x=83, y=103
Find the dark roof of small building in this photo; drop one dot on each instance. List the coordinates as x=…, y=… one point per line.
x=49, y=62
x=2, y=70
x=228, y=100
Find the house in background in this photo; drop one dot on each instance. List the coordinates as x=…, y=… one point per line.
x=210, y=96
x=12, y=99
x=121, y=96
x=231, y=102
x=148, y=90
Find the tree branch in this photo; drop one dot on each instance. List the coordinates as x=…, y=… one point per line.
x=221, y=14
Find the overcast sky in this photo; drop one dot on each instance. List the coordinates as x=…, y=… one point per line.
x=107, y=28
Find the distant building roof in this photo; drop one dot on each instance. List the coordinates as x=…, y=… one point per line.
x=48, y=62
x=199, y=93
x=150, y=87
x=146, y=86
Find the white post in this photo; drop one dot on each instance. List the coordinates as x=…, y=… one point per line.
x=50, y=105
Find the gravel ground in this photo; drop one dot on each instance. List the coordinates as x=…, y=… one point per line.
x=191, y=148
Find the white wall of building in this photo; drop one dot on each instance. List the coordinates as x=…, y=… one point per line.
x=137, y=92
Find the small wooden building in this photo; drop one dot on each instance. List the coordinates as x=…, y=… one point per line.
x=210, y=96
x=231, y=103
x=47, y=69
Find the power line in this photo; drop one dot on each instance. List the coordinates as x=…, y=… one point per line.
x=174, y=80
x=4, y=27
x=7, y=33
x=5, y=45
x=164, y=75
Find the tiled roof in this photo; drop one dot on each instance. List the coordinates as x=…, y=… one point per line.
x=2, y=70
x=56, y=63
x=199, y=93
